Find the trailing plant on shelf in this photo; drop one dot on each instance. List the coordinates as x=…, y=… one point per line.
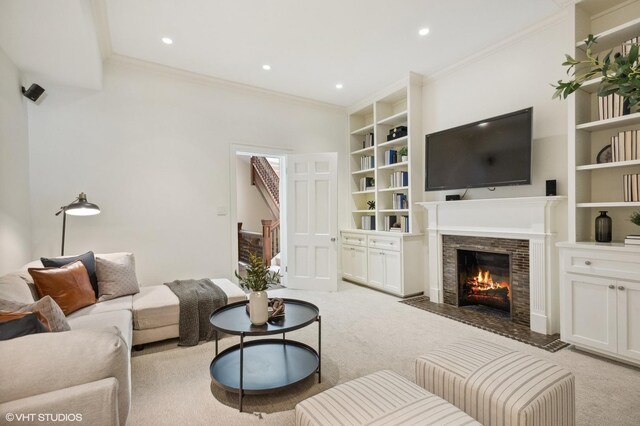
x=403, y=152
x=635, y=218
x=259, y=277
x=620, y=74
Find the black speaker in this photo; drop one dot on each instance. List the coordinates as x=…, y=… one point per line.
x=33, y=92
x=551, y=187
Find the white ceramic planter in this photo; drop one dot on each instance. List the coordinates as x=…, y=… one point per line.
x=258, y=307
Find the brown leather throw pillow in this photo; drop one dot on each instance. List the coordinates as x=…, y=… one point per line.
x=69, y=286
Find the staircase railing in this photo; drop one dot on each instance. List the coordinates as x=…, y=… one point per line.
x=267, y=181
x=265, y=244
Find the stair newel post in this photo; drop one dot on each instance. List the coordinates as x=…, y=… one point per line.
x=266, y=241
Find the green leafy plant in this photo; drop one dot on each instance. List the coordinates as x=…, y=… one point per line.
x=619, y=73
x=635, y=218
x=371, y=204
x=259, y=277
x=403, y=152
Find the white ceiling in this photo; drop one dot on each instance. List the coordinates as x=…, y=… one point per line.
x=311, y=45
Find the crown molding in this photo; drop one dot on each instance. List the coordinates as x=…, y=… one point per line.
x=519, y=36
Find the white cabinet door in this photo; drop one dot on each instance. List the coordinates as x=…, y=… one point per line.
x=354, y=263
x=392, y=271
x=376, y=268
x=629, y=319
x=591, y=319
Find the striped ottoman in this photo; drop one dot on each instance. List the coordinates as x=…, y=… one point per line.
x=499, y=386
x=382, y=398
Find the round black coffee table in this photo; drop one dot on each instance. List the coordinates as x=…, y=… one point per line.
x=264, y=365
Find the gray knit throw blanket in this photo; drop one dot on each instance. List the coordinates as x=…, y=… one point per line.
x=198, y=299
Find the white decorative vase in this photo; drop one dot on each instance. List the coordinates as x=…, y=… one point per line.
x=404, y=158
x=258, y=307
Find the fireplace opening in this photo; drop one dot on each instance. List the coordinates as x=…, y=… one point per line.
x=484, y=279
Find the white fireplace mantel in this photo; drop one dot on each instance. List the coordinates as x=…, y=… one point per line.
x=526, y=218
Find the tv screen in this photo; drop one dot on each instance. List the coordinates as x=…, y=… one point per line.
x=487, y=153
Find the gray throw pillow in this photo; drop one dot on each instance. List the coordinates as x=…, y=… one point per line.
x=46, y=306
x=116, y=277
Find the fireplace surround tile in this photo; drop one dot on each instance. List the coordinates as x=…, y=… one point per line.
x=519, y=251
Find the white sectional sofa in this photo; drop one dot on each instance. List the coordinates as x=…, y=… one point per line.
x=86, y=370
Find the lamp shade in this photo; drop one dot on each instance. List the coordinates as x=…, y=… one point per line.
x=81, y=207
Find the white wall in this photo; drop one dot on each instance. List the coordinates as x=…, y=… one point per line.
x=513, y=77
x=15, y=213
x=152, y=150
x=251, y=206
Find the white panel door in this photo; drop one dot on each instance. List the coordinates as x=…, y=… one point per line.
x=629, y=319
x=312, y=221
x=592, y=318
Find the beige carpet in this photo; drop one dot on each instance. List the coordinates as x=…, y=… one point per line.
x=362, y=331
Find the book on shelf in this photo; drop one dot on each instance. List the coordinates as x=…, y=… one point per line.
x=398, y=179
x=625, y=146
x=367, y=183
x=391, y=156
x=632, y=241
x=611, y=106
x=633, y=236
x=368, y=141
x=631, y=187
x=390, y=223
x=624, y=49
x=368, y=223
x=400, y=201
x=367, y=162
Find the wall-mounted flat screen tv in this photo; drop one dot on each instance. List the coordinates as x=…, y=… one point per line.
x=487, y=153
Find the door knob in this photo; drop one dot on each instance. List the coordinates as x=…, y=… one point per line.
x=587, y=262
x=620, y=287
x=333, y=238
x=612, y=286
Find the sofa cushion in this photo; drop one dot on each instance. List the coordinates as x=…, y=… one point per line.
x=155, y=306
x=87, y=259
x=120, y=319
x=45, y=306
x=8, y=315
x=117, y=277
x=123, y=303
x=14, y=287
x=15, y=324
x=69, y=286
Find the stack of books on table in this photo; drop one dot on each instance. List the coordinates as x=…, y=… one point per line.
x=632, y=240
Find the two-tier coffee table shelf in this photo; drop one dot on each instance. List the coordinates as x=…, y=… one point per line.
x=264, y=365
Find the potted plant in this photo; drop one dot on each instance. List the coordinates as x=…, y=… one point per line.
x=257, y=280
x=619, y=73
x=403, y=153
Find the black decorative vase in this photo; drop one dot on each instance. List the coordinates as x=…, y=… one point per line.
x=603, y=228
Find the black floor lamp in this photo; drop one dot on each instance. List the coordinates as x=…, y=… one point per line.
x=78, y=207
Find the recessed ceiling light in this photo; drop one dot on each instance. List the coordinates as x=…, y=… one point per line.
x=266, y=67
x=167, y=40
x=339, y=86
x=423, y=31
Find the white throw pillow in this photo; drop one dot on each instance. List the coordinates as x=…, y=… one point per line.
x=116, y=275
x=14, y=287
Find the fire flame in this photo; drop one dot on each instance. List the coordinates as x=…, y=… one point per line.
x=483, y=282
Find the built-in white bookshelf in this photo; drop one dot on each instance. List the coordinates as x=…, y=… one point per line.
x=397, y=106
x=597, y=186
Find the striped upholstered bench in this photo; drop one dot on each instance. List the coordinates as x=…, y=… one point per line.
x=499, y=386
x=382, y=398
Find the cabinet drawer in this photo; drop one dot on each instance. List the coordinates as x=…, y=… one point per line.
x=384, y=242
x=354, y=239
x=615, y=265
